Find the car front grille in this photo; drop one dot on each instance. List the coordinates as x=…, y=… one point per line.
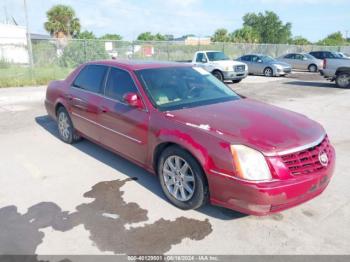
x=307, y=161
x=239, y=68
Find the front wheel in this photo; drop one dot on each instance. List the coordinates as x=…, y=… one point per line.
x=268, y=72
x=218, y=75
x=182, y=179
x=343, y=80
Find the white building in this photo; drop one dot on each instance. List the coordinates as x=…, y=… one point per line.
x=13, y=44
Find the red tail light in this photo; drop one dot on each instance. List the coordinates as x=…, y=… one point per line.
x=324, y=63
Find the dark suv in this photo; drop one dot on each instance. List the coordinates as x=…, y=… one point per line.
x=324, y=54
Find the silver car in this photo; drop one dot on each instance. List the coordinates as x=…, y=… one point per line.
x=259, y=64
x=302, y=61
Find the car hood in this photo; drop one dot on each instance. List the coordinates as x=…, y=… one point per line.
x=267, y=128
x=227, y=63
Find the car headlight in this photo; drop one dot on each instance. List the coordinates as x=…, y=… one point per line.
x=250, y=164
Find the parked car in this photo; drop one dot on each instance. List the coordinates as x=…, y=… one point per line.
x=324, y=54
x=222, y=67
x=337, y=70
x=259, y=64
x=343, y=55
x=302, y=61
x=204, y=141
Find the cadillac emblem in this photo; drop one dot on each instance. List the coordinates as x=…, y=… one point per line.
x=322, y=156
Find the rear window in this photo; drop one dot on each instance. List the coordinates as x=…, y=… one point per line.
x=91, y=78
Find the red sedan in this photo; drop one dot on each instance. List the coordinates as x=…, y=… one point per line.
x=204, y=141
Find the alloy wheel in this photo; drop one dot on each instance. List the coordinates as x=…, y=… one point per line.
x=179, y=178
x=268, y=72
x=63, y=125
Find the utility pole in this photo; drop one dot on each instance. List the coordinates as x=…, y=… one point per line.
x=29, y=41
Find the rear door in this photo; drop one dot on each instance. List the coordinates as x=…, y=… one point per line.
x=84, y=97
x=125, y=128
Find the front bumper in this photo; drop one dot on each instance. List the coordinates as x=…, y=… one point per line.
x=263, y=198
x=232, y=75
x=283, y=71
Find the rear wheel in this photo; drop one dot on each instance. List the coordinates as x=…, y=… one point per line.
x=268, y=72
x=182, y=179
x=343, y=80
x=218, y=75
x=312, y=68
x=66, y=130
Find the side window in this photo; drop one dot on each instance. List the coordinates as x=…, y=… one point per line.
x=299, y=57
x=316, y=54
x=254, y=58
x=245, y=58
x=119, y=83
x=91, y=78
x=290, y=56
x=200, y=57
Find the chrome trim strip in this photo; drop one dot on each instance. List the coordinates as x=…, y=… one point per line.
x=107, y=128
x=297, y=149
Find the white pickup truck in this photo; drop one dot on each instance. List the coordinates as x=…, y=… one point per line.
x=338, y=70
x=220, y=65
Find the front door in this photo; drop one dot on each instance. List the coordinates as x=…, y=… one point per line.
x=125, y=128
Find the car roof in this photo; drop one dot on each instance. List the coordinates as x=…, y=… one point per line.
x=134, y=65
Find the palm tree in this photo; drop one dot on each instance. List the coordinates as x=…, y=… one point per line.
x=62, y=22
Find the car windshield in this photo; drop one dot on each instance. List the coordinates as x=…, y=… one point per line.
x=336, y=55
x=217, y=56
x=267, y=59
x=183, y=87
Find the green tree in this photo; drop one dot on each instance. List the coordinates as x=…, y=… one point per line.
x=62, y=22
x=269, y=27
x=221, y=35
x=246, y=34
x=299, y=40
x=148, y=36
x=114, y=37
x=86, y=35
x=334, y=39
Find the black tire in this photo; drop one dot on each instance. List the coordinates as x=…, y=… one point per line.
x=200, y=192
x=70, y=136
x=312, y=68
x=343, y=80
x=268, y=72
x=218, y=75
x=236, y=81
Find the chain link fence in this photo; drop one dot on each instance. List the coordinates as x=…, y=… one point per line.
x=55, y=58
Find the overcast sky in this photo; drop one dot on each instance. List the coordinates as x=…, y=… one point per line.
x=313, y=19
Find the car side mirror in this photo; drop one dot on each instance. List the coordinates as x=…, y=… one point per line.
x=133, y=100
x=304, y=58
x=204, y=60
x=259, y=61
